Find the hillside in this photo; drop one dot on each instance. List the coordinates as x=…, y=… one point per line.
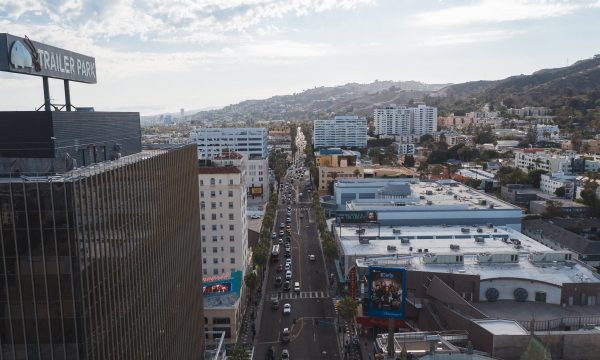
x=548, y=87
x=323, y=102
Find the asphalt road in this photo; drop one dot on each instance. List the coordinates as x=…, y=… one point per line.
x=313, y=334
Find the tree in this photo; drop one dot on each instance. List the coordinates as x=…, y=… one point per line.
x=251, y=281
x=560, y=192
x=437, y=169
x=330, y=250
x=553, y=209
x=348, y=309
x=484, y=135
x=409, y=161
x=423, y=169
x=238, y=353
x=534, y=177
x=426, y=139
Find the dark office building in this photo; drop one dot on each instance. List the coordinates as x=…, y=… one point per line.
x=100, y=261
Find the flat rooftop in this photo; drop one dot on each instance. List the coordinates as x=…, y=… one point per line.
x=502, y=327
x=388, y=249
x=90, y=169
x=432, y=195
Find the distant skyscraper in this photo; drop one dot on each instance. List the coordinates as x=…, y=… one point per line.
x=403, y=120
x=101, y=261
x=346, y=131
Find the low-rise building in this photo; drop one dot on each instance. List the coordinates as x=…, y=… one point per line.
x=545, y=132
x=414, y=202
x=404, y=149
x=567, y=207
x=567, y=163
x=550, y=183
x=336, y=164
x=224, y=304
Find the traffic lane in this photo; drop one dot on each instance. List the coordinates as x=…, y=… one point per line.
x=312, y=333
x=312, y=246
x=317, y=333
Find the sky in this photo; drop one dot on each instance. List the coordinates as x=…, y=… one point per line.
x=155, y=56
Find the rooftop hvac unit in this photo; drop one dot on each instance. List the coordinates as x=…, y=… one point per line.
x=479, y=239
x=479, y=230
x=550, y=256
x=490, y=225
x=465, y=230
x=391, y=248
x=491, y=206
x=360, y=231
x=404, y=240
x=449, y=258
x=396, y=231
x=454, y=247
x=499, y=258
x=429, y=202
x=482, y=202
x=428, y=192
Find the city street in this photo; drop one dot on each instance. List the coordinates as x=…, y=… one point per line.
x=312, y=320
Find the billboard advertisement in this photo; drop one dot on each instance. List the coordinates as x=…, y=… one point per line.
x=386, y=292
x=346, y=217
x=24, y=56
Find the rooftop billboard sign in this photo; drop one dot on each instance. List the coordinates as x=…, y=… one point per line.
x=23, y=56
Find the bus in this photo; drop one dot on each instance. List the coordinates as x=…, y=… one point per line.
x=275, y=253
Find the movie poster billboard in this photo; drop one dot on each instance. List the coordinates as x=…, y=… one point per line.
x=386, y=292
x=355, y=217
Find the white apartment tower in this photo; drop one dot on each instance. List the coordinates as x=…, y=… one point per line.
x=342, y=131
x=223, y=203
x=403, y=120
x=211, y=142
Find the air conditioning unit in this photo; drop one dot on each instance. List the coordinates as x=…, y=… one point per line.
x=454, y=247
x=404, y=240
x=391, y=248
x=550, y=256
x=450, y=258
x=396, y=231
x=479, y=239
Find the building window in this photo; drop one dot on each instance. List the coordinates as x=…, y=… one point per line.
x=214, y=249
x=232, y=260
x=213, y=205
x=230, y=181
x=215, y=261
x=231, y=238
x=221, y=321
x=203, y=227
x=203, y=250
x=230, y=216
x=212, y=194
x=214, y=238
x=231, y=227
x=232, y=249
x=201, y=194
x=202, y=216
x=215, y=271
x=214, y=227
x=540, y=296
x=230, y=193
x=203, y=238
x=204, y=272
x=231, y=204
x=213, y=216
x=202, y=205
x=212, y=181
x=201, y=182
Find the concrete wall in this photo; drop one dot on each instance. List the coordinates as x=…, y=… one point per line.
x=506, y=287
x=563, y=345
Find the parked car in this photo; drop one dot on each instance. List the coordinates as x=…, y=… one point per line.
x=288, y=275
x=278, y=281
x=311, y=257
x=286, y=286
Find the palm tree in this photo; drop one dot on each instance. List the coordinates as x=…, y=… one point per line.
x=348, y=309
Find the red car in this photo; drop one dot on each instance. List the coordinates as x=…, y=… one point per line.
x=279, y=268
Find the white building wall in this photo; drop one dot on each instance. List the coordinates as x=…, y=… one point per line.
x=257, y=174
x=403, y=120
x=212, y=141
x=506, y=288
x=223, y=222
x=342, y=131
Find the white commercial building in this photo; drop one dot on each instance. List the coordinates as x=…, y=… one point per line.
x=412, y=202
x=501, y=260
x=342, y=131
x=403, y=120
x=549, y=183
x=568, y=163
x=211, y=142
x=224, y=227
x=404, y=149
x=545, y=132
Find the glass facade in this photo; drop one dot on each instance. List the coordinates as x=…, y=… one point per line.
x=103, y=262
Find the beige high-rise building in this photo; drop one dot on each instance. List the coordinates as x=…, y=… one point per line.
x=223, y=203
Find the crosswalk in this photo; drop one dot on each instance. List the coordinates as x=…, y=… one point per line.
x=303, y=295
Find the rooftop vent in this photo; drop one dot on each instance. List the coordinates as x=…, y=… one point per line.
x=479, y=239
x=454, y=247
x=391, y=248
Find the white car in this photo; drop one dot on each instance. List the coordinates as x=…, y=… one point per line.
x=288, y=266
x=287, y=309
x=285, y=354
x=288, y=261
x=255, y=217
x=288, y=275
x=311, y=257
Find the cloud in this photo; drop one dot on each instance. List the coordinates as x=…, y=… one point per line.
x=471, y=37
x=173, y=21
x=492, y=11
